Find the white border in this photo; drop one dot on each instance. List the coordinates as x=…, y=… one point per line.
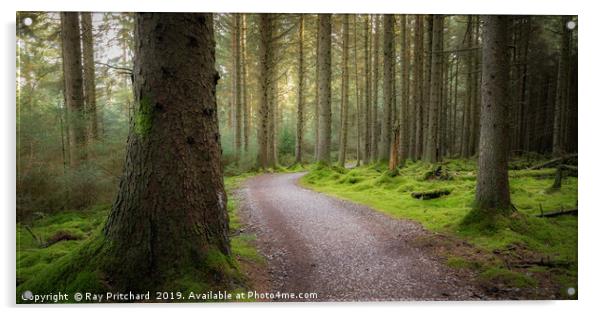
x=589, y=131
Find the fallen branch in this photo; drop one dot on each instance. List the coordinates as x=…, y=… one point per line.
x=428, y=195
x=553, y=162
x=572, y=212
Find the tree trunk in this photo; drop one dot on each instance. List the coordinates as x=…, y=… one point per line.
x=388, y=85
x=417, y=93
x=300, y=96
x=466, y=112
x=476, y=78
x=375, y=133
x=89, y=74
x=357, y=95
x=317, y=92
x=405, y=87
x=430, y=151
x=237, y=73
x=245, y=104
x=492, y=193
x=74, y=91
x=170, y=212
x=426, y=94
x=561, y=88
x=367, y=89
x=265, y=83
x=344, y=93
x=324, y=60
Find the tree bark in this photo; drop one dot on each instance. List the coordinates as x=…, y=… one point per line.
x=324, y=60
x=265, y=82
x=388, y=85
x=357, y=95
x=344, y=93
x=374, y=124
x=430, y=152
x=367, y=89
x=405, y=91
x=300, y=96
x=467, y=110
x=74, y=91
x=245, y=104
x=89, y=74
x=560, y=103
x=237, y=87
x=170, y=212
x=493, y=193
x=416, y=140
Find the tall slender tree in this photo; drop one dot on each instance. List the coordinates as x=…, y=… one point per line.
x=560, y=103
x=324, y=61
x=374, y=124
x=344, y=93
x=265, y=88
x=417, y=93
x=89, y=74
x=300, y=95
x=367, y=89
x=74, y=90
x=404, y=119
x=430, y=150
x=246, y=107
x=493, y=193
x=388, y=85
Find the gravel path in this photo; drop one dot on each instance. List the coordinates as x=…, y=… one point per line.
x=340, y=250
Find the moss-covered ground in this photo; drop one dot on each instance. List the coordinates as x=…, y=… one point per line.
x=518, y=251
x=74, y=264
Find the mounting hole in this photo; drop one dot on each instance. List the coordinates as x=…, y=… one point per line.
x=570, y=291
x=571, y=25
x=27, y=21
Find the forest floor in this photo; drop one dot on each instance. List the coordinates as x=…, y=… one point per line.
x=521, y=257
x=373, y=241
x=340, y=250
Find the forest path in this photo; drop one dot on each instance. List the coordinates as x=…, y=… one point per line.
x=340, y=250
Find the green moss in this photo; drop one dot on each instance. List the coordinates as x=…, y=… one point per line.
x=549, y=237
x=144, y=116
x=505, y=276
x=78, y=265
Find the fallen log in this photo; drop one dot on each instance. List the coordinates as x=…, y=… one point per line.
x=553, y=162
x=572, y=212
x=428, y=195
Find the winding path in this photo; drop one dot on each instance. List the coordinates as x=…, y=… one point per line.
x=340, y=250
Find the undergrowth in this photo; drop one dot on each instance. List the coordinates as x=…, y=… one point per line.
x=76, y=265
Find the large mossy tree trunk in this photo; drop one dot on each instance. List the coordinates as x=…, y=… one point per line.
x=324, y=93
x=170, y=212
x=493, y=193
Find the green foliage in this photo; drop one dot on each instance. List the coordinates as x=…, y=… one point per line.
x=555, y=238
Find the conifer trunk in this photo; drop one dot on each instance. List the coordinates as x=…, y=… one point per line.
x=170, y=212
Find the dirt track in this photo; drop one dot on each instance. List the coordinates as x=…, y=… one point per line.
x=340, y=250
